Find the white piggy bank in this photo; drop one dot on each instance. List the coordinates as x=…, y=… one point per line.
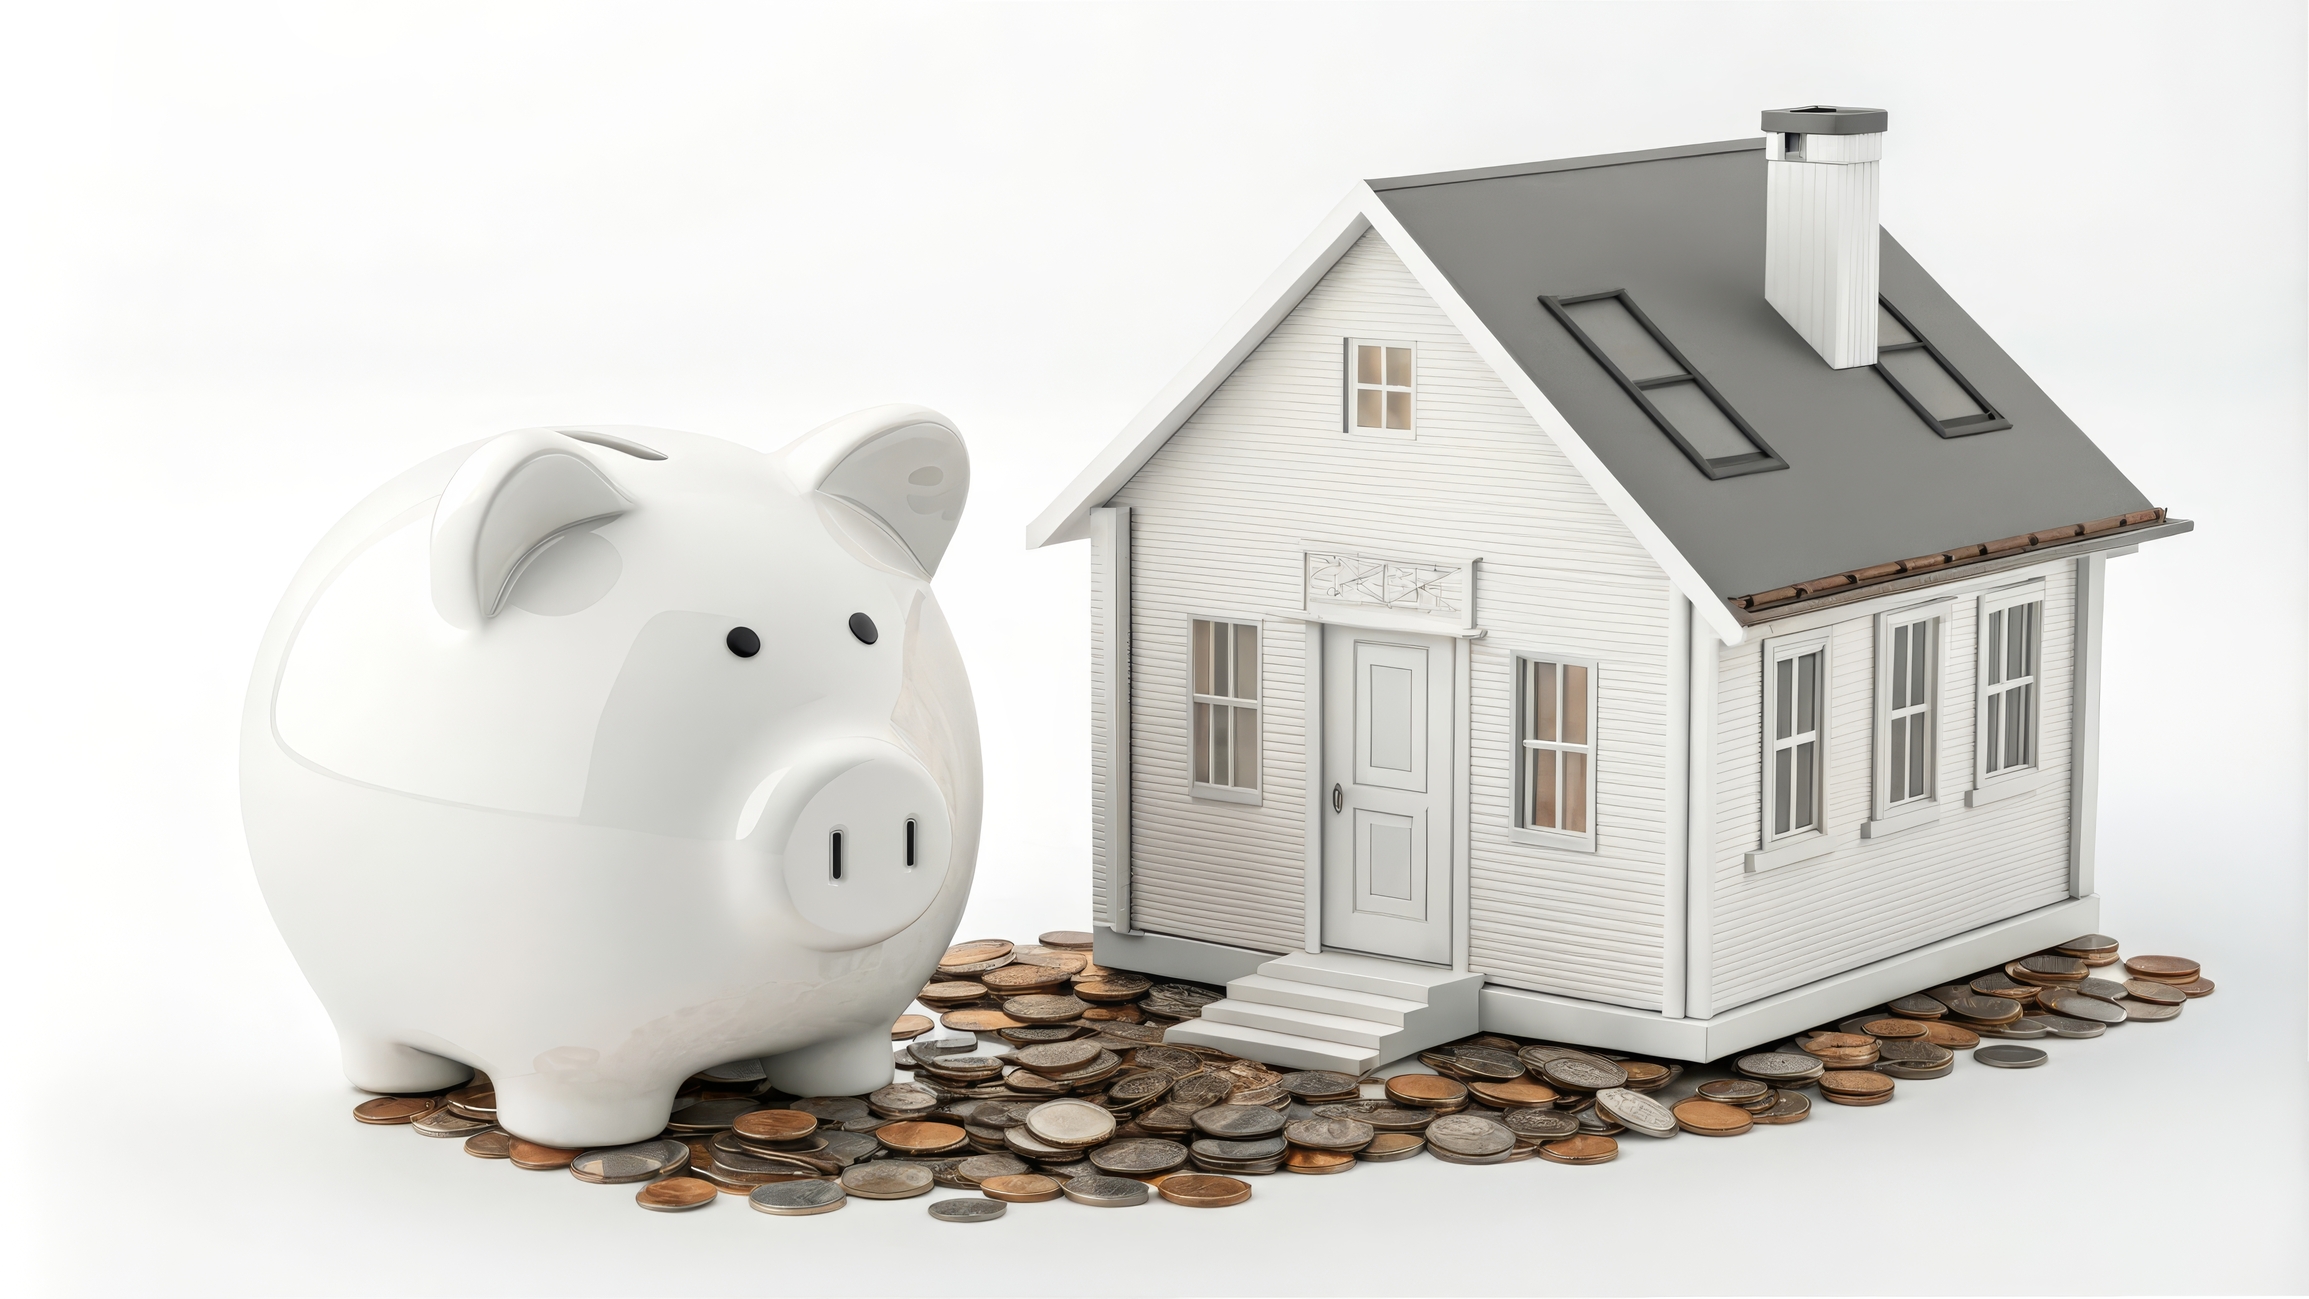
x=593, y=757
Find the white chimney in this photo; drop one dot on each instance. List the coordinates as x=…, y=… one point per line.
x=1820, y=226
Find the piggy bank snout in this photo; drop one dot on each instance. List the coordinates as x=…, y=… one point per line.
x=862, y=838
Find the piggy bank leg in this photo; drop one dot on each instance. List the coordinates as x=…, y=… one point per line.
x=580, y=1112
x=376, y=1065
x=844, y=1066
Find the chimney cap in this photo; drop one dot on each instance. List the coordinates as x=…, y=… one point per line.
x=1826, y=119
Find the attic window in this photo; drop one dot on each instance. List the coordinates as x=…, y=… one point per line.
x=1668, y=388
x=1925, y=380
x=1381, y=383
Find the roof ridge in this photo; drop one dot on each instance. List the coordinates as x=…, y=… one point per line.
x=1566, y=164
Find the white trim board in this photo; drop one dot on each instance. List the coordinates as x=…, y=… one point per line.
x=1768, y=1019
x=1186, y=958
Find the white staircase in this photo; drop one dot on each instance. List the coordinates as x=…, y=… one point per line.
x=1333, y=1010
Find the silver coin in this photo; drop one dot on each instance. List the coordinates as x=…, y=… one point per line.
x=2023, y=1027
x=798, y=1199
x=1636, y=1111
x=831, y=1109
x=1916, y=1053
x=887, y=1179
x=1239, y=1151
x=638, y=1162
x=2087, y=944
x=2062, y=1001
x=1900, y=1069
x=1469, y=1136
x=2010, y=1057
x=849, y=1147
x=1779, y=1066
x=2105, y=989
x=713, y=1116
x=2065, y=1026
x=736, y=1071
x=1330, y=1134
x=978, y=1168
x=1437, y=1152
x=1105, y=1192
x=968, y=1210
x=1486, y=1063
x=1238, y=1122
x=1383, y=1115
x=446, y=1122
x=2147, y=1012
x=1074, y=1124
x=1541, y=1125
x=905, y=1099
x=1585, y=1072
x=1321, y=1083
x=1061, y=1169
x=1919, y=1004
x=1139, y=1156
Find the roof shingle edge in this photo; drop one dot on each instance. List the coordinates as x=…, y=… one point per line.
x=1960, y=555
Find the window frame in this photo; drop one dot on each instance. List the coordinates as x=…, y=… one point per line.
x=1764, y=460
x=1203, y=789
x=1885, y=809
x=1775, y=650
x=1994, y=602
x=1351, y=386
x=1992, y=420
x=1521, y=744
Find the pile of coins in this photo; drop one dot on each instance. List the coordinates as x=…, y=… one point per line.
x=1079, y=1097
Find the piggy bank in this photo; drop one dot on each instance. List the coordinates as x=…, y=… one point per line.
x=591, y=757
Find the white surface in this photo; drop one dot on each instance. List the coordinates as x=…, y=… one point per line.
x=253, y=252
x=1821, y=243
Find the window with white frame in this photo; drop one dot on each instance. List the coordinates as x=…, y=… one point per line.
x=1555, y=745
x=2011, y=641
x=1795, y=734
x=1225, y=726
x=1381, y=383
x=1908, y=647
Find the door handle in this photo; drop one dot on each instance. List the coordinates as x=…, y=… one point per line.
x=1336, y=804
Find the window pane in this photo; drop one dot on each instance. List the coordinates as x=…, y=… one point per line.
x=1574, y=704
x=1367, y=365
x=1575, y=792
x=1202, y=744
x=1900, y=667
x=1201, y=653
x=1626, y=342
x=1247, y=748
x=1542, y=688
x=1542, y=787
x=2020, y=631
x=1995, y=655
x=1780, y=782
x=1896, y=788
x=1804, y=794
x=1398, y=367
x=1221, y=659
x=1706, y=427
x=1935, y=388
x=1246, y=662
x=1367, y=408
x=1919, y=756
x=1808, y=693
x=2025, y=706
x=1994, y=731
x=1888, y=331
x=1919, y=664
x=1220, y=775
x=1398, y=410
x=1783, y=725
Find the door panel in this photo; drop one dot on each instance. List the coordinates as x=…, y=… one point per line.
x=1387, y=773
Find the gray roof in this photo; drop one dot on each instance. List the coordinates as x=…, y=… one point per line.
x=1682, y=230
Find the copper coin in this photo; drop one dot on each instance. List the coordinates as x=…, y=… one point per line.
x=1392, y=1145
x=977, y=951
x=496, y=1143
x=1067, y=940
x=978, y=1021
x=1021, y=1188
x=2053, y=964
x=1057, y=1057
x=2163, y=967
x=389, y=1110
x=1203, y=1191
x=675, y=1194
x=917, y=1137
x=1918, y=1006
x=1014, y=979
x=1734, y=1091
x=1111, y=989
x=1645, y=1074
x=2147, y=1012
x=951, y=992
x=1302, y=1160
x=1043, y=1009
x=2197, y=987
x=1712, y=1118
x=2063, y=1002
x=1955, y=1037
x=911, y=1026
x=1848, y=1084
x=2149, y=990
x=1426, y=1090
x=1513, y=1095
x=1786, y=1107
x=528, y=1154
x=775, y=1125
x=1893, y=1028
x=1581, y=1150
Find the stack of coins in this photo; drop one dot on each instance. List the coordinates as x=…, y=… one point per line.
x=1837, y=1051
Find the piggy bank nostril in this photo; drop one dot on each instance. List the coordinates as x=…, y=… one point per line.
x=743, y=642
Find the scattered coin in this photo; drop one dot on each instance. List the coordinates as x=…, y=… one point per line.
x=798, y=1199
x=496, y=1143
x=2163, y=967
x=1893, y=1028
x=1469, y=1135
x=2149, y=990
x=910, y=1026
x=1387, y=1147
x=2197, y=987
x=1918, y=1006
x=977, y=952
x=1514, y=1095
x=2087, y=945
x=1317, y=1162
x=1712, y=1118
x=1426, y=1090
x=1319, y=1085
x=2053, y=964
x=1955, y=1037
x=978, y=1168
x=1382, y=1115
x=1106, y=1192
x=922, y=1137
x=1040, y=1009
x=1583, y=1072
x=1074, y=1124
x=1541, y=1125
x=978, y=1021
x=1203, y=1191
x=1734, y=1091
x=446, y=1122
x=2076, y=1004
x=886, y=1179
x=968, y=1210
x=530, y=1155
x=1024, y=1188
x=734, y=1073
x=1855, y=1087
x=1636, y=1112
x=392, y=1110
x=638, y=1162
x=1583, y=1150
x=1067, y=940
x=676, y=1194
x=1238, y=1122
x=775, y=1125
x=2010, y=1057
x=712, y=1116
x=1139, y=1157
x=2147, y=1012
x=2065, y=1026
x=1786, y=1107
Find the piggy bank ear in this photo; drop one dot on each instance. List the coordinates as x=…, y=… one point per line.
x=515, y=492
x=903, y=465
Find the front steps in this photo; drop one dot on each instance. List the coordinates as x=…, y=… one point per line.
x=1335, y=1010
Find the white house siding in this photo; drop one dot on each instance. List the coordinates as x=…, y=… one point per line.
x=1786, y=927
x=1219, y=518
x=1101, y=743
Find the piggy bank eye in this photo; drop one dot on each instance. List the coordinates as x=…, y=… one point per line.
x=743, y=642
x=863, y=628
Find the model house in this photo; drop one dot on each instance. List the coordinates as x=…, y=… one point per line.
x=1622, y=600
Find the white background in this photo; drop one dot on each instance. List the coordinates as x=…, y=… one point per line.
x=255, y=259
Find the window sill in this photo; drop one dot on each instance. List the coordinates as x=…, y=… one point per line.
x=1565, y=840
x=1818, y=844
x=1904, y=818
x=1223, y=794
x=2004, y=787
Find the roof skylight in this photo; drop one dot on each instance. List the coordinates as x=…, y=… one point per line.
x=1663, y=384
x=1925, y=380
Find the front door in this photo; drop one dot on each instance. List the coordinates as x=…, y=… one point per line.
x=1387, y=767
